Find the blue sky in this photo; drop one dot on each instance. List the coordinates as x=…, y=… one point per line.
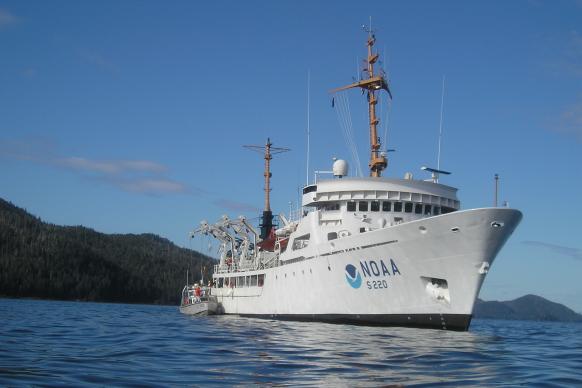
x=129, y=117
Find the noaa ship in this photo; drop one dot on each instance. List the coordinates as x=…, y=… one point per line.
x=363, y=250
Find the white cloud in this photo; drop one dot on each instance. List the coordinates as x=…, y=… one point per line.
x=37, y=149
x=7, y=18
x=98, y=60
x=28, y=72
x=573, y=55
x=112, y=166
x=573, y=253
x=236, y=206
x=153, y=186
x=136, y=176
x=570, y=121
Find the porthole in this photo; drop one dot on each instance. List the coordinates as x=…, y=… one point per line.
x=455, y=229
x=497, y=224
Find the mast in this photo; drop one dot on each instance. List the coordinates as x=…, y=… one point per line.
x=373, y=83
x=269, y=151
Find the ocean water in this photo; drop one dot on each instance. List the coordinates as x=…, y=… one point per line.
x=48, y=343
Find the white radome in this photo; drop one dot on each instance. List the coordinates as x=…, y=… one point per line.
x=340, y=168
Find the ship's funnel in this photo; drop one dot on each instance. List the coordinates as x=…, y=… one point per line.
x=266, y=224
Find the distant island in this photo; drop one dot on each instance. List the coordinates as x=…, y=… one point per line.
x=41, y=260
x=527, y=308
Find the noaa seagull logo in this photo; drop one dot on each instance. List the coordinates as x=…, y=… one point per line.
x=353, y=276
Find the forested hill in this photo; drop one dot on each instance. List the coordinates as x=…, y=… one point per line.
x=42, y=260
x=528, y=307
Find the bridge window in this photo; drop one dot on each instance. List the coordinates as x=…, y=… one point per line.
x=309, y=189
x=253, y=281
x=427, y=210
x=437, y=210
x=351, y=206
x=397, y=206
x=375, y=206
x=261, y=280
x=418, y=208
x=363, y=206
x=329, y=206
x=386, y=206
x=408, y=207
x=301, y=242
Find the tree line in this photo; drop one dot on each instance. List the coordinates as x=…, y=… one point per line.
x=42, y=260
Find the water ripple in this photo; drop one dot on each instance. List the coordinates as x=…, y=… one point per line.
x=64, y=343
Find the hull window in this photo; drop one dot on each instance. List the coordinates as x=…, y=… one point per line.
x=351, y=206
x=418, y=208
x=375, y=206
x=408, y=207
x=386, y=206
x=363, y=206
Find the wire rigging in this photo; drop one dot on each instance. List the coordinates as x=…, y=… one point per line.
x=344, y=117
x=386, y=123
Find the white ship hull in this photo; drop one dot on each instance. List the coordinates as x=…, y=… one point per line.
x=370, y=250
x=423, y=273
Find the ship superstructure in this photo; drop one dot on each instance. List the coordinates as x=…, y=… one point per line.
x=371, y=250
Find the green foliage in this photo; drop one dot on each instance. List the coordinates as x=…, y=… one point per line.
x=42, y=260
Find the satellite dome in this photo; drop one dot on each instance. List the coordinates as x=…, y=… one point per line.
x=340, y=168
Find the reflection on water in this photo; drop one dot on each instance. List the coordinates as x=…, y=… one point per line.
x=87, y=343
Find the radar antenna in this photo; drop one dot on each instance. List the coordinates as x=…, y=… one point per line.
x=268, y=151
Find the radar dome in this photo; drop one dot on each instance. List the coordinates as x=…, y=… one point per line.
x=340, y=168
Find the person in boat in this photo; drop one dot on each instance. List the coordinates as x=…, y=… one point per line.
x=197, y=292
